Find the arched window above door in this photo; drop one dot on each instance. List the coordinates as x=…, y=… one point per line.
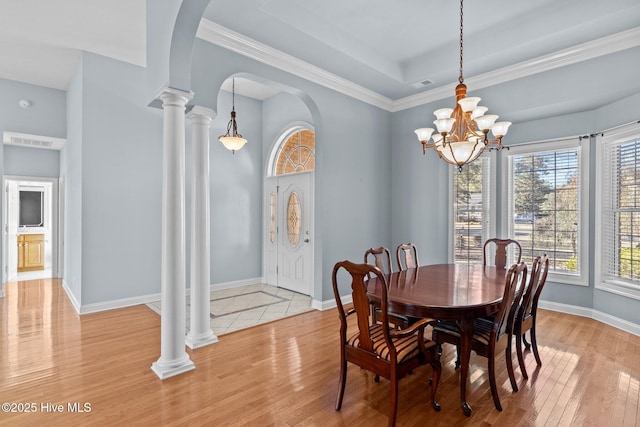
x=297, y=153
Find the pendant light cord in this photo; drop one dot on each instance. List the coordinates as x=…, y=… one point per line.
x=233, y=92
x=461, y=79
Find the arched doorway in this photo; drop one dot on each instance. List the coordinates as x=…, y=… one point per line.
x=288, y=225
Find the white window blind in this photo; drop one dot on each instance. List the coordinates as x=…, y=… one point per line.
x=620, y=209
x=546, y=208
x=471, y=210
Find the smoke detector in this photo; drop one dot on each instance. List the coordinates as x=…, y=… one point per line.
x=24, y=103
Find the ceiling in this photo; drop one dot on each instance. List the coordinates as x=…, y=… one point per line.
x=41, y=40
x=578, y=54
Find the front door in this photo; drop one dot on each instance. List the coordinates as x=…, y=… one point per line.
x=289, y=229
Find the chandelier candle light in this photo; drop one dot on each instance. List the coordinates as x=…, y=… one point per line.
x=235, y=141
x=462, y=131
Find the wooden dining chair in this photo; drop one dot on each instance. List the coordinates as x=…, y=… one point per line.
x=491, y=336
x=407, y=256
x=376, y=346
x=381, y=258
x=501, y=251
x=525, y=319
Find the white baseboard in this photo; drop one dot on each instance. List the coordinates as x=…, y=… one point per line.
x=144, y=299
x=329, y=304
x=605, y=318
x=71, y=296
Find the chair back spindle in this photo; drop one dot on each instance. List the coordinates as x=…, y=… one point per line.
x=501, y=245
x=407, y=256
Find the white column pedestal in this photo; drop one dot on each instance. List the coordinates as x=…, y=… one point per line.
x=173, y=359
x=200, y=333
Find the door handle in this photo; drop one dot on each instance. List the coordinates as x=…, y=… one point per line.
x=306, y=240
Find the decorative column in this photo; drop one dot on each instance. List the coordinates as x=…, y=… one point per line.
x=173, y=359
x=200, y=333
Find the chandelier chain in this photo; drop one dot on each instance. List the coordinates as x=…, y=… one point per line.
x=233, y=94
x=461, y=79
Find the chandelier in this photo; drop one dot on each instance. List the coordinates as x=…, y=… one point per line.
x=462, y=133
x=235, y=141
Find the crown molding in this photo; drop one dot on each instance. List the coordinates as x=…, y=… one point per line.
x=562, y=58
x=236, y=42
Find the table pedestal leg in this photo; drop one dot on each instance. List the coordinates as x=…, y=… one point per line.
x=467, y=326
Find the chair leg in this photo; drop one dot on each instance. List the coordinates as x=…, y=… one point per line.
x=457, y=365
x=509, y=358
x=435, y=380
x=523, y=369
x=534, y=343
x=376, y=378
x=393, y=409
x=492, y=381
x=341, y=385
x=526, y=343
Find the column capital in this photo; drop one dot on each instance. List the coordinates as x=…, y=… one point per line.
x=170, y=95
x=199, y=112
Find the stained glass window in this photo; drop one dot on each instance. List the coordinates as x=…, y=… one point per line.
x=293, y=218
x=297, y=153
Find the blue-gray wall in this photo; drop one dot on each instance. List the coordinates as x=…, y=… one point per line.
x=236, y=193
x=28, y=161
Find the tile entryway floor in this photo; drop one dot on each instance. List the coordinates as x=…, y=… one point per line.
x=238, y=308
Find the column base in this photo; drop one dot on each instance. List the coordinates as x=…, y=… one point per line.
x=194, y=341
x=166, y=370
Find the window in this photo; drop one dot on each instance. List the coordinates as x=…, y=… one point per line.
x=293, y=218
x=471, y=193
x=546, y=205
x=297, y=153
x=618, y=212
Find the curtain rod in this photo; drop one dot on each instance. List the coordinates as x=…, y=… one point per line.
x=541, y=141
x=602, y=132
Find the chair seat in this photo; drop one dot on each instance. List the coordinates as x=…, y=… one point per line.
x=398, y=320
x=481, y=333
x=407, y=347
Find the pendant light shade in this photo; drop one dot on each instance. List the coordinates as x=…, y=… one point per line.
x=232, y=140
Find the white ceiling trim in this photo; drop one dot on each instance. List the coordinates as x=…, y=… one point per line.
x=590, y=50
x=236, y=42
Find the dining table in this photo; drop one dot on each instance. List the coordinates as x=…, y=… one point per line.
x=458, y=292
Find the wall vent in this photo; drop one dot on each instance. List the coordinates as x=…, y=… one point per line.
x=422, y=84
x=33, y=141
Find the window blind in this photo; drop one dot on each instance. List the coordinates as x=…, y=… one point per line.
x=620, y=209
x=471, y=210
x=544, y=207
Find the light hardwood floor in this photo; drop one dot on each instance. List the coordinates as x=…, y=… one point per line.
x=285, y=373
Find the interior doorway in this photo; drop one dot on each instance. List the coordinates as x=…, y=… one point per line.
x=30, y=221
